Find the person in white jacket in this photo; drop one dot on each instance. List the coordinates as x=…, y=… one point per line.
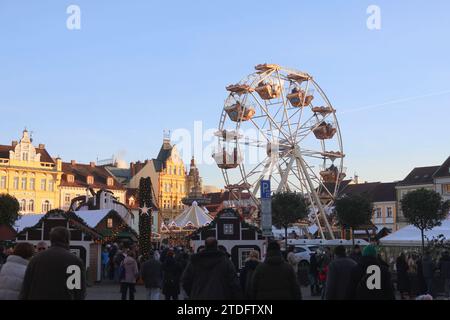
x=13, y=271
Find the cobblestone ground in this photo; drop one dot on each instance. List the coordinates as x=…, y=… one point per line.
x=111, y=291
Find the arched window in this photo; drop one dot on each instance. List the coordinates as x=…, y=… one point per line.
x=23, y=205
x=31, y=206
x=46, y=206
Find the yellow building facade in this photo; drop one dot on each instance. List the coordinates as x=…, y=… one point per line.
x=31, y=175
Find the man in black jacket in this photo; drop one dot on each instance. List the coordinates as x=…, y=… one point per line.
x=56, y=273
x=275, y=279
x=210, y=275
x=338, y=277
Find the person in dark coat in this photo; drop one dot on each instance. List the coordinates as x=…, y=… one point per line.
x=210, y=275
x=428, y=269
x=152, y=275
x=358, y=289
x=403, y=283
x=171, y=277
x=313, y=275
x=47, y=276
x=356, y=254
x=339, y=273
x=246, y=275
x=444, y=267
x=275, y=279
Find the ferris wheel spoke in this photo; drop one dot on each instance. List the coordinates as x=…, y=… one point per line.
x=272, y=121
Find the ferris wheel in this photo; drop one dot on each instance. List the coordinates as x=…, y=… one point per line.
x=278, y=124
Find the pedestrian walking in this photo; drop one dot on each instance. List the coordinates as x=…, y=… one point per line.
x=313, y=275
x=444, y=267
x=275, y=279
x=48, y=272
x=171, y=277
x=13, y=271
x=339, y=274
x=210, y=275
x=428, y=269
x=403, y=283
x=152, y=275
x=246, y=275
x=358, y=288
x=105, y=262
x=128, y=275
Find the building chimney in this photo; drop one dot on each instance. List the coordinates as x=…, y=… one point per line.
x=73, y=162
x=92, y=164
x=14, y=143
x=355, y=179
x=41, y=146
x=132, y=169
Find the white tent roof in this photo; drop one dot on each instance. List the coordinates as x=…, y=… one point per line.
x=27, y=221
x=92, y=217
x=195, y=215
x=410, y=235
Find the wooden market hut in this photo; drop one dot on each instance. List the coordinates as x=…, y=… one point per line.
x=85, y=242
x=237, y=237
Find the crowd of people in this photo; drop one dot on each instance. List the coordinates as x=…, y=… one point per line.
x=39, y=272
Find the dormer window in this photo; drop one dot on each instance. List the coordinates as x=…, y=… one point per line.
x=110, y=182
x=90, y=180
x=70, y=178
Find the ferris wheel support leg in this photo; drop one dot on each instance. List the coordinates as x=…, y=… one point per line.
x=314, y=193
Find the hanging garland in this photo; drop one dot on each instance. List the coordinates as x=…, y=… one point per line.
x=145, y=216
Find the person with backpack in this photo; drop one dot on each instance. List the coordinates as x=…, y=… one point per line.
x=361, y=274
x=247, y=273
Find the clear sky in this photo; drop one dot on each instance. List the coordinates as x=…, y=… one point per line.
x=138, y=67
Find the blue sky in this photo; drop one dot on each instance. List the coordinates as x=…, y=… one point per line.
x=138, y=67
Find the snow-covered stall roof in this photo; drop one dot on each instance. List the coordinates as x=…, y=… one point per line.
x=92, y=217
x=411, y=236
x=27, y=221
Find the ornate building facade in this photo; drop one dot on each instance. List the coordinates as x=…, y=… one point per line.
x=31, y=175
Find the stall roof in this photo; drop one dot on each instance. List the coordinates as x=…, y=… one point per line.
x=27, y=221
x=410, y=235
x=92, y=217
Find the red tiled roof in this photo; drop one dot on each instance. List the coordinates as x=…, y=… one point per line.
x=82, y=171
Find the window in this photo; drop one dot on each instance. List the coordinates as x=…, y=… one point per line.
x=389, y=212
x=32, y=183
x=16, y=183
x=3, y=182
x=31, y=206
x=90, y=180
x=378, y=213
x=46, y=206
x=109, y=223
x=447, y=188
x=23, y=185
x=228, y=229
x=110, y=182
x=244, y=253
x=174, y=171
x=67, y=199
x=23, y=205
x=43, y=184
x=25, y=156
x=51, y=185
x=70, y=178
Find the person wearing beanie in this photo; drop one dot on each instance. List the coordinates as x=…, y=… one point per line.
x=369, y=251
x=360, y=274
